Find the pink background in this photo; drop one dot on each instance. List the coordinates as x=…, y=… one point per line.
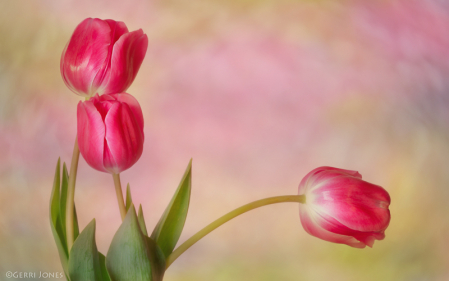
x=258, y=93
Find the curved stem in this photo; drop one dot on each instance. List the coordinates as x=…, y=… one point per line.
x=243, y=209
x=70, y=207
x=118, y=191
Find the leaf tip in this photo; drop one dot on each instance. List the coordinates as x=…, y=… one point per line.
x=58, y=164
x=131, y=209
x=189, y=168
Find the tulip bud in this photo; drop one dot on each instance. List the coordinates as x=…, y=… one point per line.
x=110, y=132
x=342, y=208
x=102, y=57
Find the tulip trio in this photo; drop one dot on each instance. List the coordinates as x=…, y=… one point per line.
x=99, y=63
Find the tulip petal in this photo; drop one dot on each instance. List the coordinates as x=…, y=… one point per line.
x=321, y=174
x=104, y=107
x=117, y=29
x=133, y=105
x=124, y=139
x=313, y=225
x=332, y=225
x=357, y=204
x=91, y=133
x=85, y=55
x=127, y=56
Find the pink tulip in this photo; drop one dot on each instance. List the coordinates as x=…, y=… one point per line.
x=110, y=132
x=102, y=57
x=342, y=208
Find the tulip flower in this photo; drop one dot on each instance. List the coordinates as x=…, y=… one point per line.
x=342, y=208
x=110, y=132
x=102, y=57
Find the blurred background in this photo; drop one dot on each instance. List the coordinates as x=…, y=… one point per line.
x=258, y=93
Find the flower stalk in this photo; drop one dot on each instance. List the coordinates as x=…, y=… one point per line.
x=229, y=216
x=70, y=208
x=118, y=191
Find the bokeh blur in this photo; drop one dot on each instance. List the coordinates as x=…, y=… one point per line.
x=258, y=93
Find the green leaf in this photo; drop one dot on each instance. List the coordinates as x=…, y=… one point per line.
x=84, y=260
x=104, y=271
x=169, y=228
x=58, y=204
x=76, y=230
x=130, y=257
x=141, y=220
x=128, y=197
x=63, y=206
x=157, y=259
x=55, y=220
x=63, y=200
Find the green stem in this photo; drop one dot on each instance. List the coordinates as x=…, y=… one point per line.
x=243, y=209
x=71, y=195
x=118, y=191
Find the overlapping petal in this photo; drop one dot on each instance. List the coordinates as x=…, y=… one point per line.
x=91, y=133
x=319, y=175
x=355, y=203
x=85, y=55
x=312, y=224
x=127, y=56
x=117, y=29
x=133, y=105
x=124, y=138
